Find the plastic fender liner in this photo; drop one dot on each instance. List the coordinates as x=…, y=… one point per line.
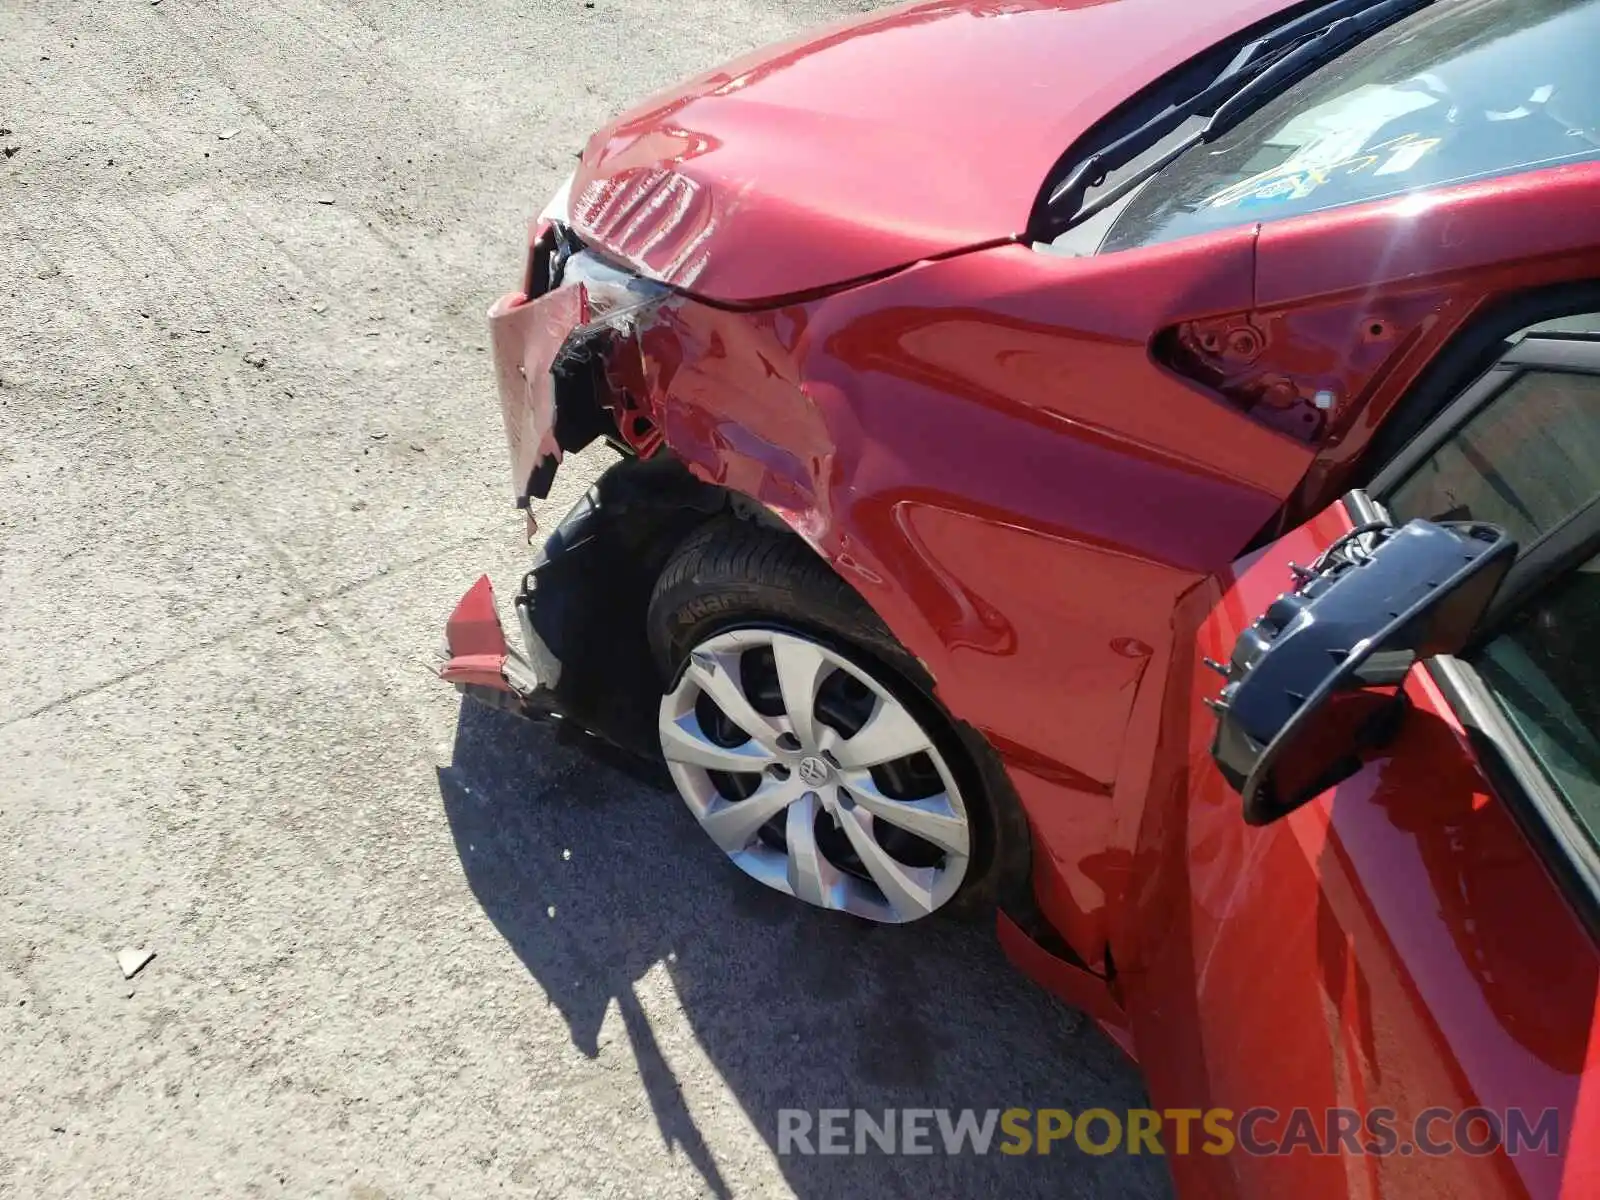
x=586, y=595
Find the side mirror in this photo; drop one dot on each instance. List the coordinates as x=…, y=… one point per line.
x=1313, y=686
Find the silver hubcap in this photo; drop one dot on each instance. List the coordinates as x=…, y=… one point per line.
x=813, y=778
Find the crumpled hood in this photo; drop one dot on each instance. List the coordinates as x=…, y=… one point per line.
x=907, y=134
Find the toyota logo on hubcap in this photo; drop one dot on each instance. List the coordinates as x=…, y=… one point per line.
x=813, y=771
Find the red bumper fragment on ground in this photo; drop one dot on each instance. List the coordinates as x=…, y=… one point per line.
x=475, y=644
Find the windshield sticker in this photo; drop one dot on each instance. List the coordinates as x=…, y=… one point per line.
x=1407, y=156
x=1295, y=179
x=1295, y=186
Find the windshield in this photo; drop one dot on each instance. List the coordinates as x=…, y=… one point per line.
x=1463, y=90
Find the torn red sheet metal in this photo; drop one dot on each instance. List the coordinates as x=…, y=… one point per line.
x=526, y=335
x=540, y=346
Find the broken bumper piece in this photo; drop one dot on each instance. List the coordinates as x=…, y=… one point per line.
x=485, y=667
x=584, y=661
x=481, y=663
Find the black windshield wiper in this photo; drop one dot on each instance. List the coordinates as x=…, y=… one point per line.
x=1313, y=52
x=1260, y=71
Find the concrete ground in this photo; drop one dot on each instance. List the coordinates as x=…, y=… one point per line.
x=249, y=457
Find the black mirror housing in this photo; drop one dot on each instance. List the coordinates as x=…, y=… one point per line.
x=1313, y=684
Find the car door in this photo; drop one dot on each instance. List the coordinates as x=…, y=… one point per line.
x=1409, y=960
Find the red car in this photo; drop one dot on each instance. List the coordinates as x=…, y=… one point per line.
x=989, y=377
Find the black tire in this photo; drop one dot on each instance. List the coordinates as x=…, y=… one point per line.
x=734, y=573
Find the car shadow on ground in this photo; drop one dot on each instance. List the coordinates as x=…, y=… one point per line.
x=795, y=1008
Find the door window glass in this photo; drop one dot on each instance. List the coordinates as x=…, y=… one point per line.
x=1544, y=668
x=1526, y=461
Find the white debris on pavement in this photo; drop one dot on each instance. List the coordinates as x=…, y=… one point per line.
x=132, y=961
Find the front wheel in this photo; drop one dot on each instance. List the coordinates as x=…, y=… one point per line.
x=795, y=734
